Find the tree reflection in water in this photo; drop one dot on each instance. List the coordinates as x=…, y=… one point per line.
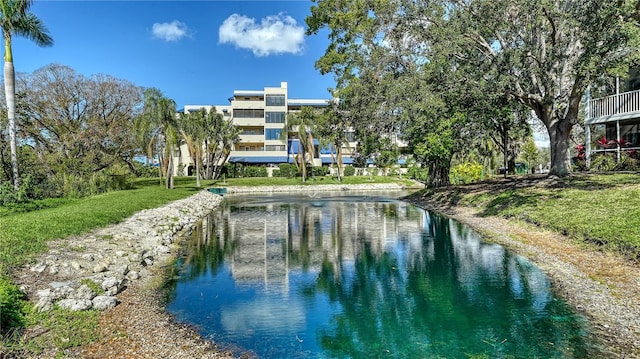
x=365, y=277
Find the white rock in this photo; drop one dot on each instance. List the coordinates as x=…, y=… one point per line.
x=100, y=267
x=39, y=268
x=56, y=285
x=104, y=302
x=63, y=292
x=163, y=249
x=44, y=304
x=133, y=275
x=84, y=292
x=121, y=270
x=42, y=293
x=75, y=304
x=112, y=285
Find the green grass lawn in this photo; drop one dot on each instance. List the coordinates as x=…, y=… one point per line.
x=602, y=209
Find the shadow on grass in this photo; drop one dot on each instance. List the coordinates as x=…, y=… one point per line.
x=600, y=181
x=510, y=200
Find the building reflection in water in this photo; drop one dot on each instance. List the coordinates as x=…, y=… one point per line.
x=341, y=275
x=271, y=237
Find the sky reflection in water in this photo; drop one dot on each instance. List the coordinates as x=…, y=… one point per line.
x=330, y=276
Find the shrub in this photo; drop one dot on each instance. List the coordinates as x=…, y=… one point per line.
x=229, y=170
x=466, y=173
x=319, y=171
x=146, y=171
x=627, y=163
x=255, y=171
x=418, y=173
x=349, y=170
x=287, y=170
x=603, y=162
x=12, y=302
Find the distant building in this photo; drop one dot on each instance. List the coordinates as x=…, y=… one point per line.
x=261, y=116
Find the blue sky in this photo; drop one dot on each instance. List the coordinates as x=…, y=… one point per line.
x=195, y=52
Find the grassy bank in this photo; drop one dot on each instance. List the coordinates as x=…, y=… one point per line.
x=24, y=230
x=601, y=209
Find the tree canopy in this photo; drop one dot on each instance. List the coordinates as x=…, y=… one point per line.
x=540, y=54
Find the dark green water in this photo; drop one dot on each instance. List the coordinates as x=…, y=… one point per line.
x=364, y=277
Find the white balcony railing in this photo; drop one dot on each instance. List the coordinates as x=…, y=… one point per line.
x=619, y=106
x=244, y=138
x=250, y=121
x=248, y=104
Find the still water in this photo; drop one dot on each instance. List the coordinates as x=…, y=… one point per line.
x=361, y=276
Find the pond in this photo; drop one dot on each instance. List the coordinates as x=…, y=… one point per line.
x=364, y=276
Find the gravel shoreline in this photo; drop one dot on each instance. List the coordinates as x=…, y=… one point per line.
x=603, y=287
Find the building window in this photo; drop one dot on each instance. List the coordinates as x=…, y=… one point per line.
x=275, y=117
x=275, y=100
x=272, y=133
x=274, y=148
x=248, y=113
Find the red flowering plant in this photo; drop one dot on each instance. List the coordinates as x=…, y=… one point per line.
x=604, y=143
x=581, y=149
x=623, y=143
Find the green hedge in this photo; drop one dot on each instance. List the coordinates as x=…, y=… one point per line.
x=286, y=170
x=349, y=170
x=319, y=171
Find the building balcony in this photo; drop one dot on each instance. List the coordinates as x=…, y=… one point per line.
x=251, y=138
x=248, y=104
x=248, y=121
x=612, y=125
x=619, y=107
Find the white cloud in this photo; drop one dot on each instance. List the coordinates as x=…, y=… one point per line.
x=170, y=31
x=276, y=34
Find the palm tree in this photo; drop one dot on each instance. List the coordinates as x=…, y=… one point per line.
x=302, y=123
x=193, y=129
x=221, y=135
x=15, y=19
x=161, y=113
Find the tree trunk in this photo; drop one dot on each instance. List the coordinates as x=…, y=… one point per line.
x=559, y=139
x=505, y=150
x=10, y=94
x=303, y=164
x=439, y=173
x=210, y=162
x=170, y=170
x=339, y=164
x=198, y=158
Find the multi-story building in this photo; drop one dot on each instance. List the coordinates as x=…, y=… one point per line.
x=261, y=116
x=612, y=122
